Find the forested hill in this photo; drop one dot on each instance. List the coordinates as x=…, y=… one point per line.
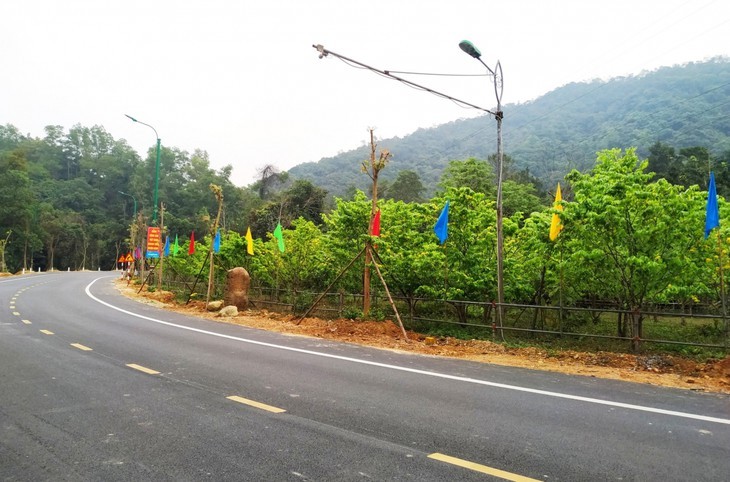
x=682, y=106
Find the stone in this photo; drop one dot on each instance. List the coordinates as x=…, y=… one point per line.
x=228, y=311
x=236, y=292
x=215, y=305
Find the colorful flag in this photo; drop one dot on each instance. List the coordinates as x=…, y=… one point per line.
x=191, y=249
x=175, y=247
x=376, y=224
x=441, y=228
x=556, y=225
x=217, y=242
x=166, y=249
x=279, y=235
x=137, y=253
x=249, y=241
x=712, y=218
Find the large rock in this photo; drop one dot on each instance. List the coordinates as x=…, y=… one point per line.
x=228, y=311
x=237, y=284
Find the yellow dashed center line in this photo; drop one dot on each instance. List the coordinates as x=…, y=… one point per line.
x=27, y=322
x=253, y=403
x=81, y=347
x=47, y=332
x=481, y=468
x=16, y=313
x=143, y=369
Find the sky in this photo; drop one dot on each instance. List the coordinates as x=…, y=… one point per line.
x=241, y=80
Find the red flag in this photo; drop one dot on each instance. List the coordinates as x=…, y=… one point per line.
x=376, y=224
x=191, y=249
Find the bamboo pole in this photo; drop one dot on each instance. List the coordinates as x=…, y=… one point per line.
x=390, y=298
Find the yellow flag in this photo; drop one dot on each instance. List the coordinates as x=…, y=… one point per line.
x=249, y=241
x=556, y=225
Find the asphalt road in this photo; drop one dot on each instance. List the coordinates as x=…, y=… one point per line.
x=94, y=386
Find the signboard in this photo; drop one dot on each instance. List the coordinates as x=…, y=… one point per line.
x=153, y=242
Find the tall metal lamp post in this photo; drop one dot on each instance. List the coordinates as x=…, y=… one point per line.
x=496, y=74
x=157, y=170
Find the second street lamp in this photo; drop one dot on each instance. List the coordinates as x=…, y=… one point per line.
x=133, y=227
x=496, y=74
x=157, y=170
x=134, y=216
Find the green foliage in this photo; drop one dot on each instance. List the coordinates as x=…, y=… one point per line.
x=632, y=228
x=475, y=174
x=304, y=265
x=302, y=199
x=351, y=313
x=638, y=237
x=406, y=187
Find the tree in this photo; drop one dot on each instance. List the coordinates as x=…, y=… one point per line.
x=411, y=256
x=520, y=198
x=270, y=177
x=634, y=236
x=467, y=267
x=3, y=245
x=304, y=199
x=663, y=162
x=406, y=187
x=16, y=202
x=475, y=174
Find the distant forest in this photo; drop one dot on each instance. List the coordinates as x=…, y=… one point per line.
x=69, y=199
x=682, y=106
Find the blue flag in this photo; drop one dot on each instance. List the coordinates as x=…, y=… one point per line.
x=166, y=249
x=441, y=228
x=217, y=242
x=712, y=219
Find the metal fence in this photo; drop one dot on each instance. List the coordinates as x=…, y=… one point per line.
x=593, y=324
x=694, y=325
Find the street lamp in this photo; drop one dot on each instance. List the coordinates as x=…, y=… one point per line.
x=157, y=170
x=470, y=49
x=134, y=216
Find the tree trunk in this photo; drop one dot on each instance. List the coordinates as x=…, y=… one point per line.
x=620, y=324
x=461, y=313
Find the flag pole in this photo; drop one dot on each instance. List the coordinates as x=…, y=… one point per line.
x=722, y=286
x=446, y=272
x=712, y=221
x=560, y=300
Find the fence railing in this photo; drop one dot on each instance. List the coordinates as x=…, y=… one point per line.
x=599, y=324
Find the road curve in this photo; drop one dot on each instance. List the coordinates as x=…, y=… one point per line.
x=99, y=387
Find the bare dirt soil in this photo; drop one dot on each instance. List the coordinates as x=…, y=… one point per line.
x=662, y=370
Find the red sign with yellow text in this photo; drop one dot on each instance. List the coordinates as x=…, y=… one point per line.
x=154, y=239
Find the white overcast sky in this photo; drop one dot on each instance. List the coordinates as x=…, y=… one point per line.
x=241, y=80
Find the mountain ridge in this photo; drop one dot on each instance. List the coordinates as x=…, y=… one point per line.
x=560, y=130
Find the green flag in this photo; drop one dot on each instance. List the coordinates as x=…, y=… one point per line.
x=279, y=235
x=175, y=247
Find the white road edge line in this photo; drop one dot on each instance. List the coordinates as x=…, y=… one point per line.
x=546, y=393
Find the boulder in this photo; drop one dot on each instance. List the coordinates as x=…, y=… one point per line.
x=228, y=311
x=237, y=284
